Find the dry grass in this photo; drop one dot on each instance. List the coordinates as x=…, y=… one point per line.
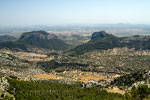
x=86, y=78
x=34, y=59
x=85, y=41
x=26, y=54
x=40, y=59
x=116, y=90
x=46, y=76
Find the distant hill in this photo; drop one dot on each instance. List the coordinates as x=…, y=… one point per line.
x=36, y=39
x=103, y=41
x=4, y=38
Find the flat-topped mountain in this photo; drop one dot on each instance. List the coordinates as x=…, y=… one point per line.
x=103, y=41
x=38, y=35
x=38, y=40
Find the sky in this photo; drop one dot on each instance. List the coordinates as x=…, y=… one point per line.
x=65, y=12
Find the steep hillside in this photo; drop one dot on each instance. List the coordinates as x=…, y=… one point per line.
x=38, y=40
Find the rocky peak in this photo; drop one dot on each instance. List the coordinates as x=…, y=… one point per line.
x=101, y=34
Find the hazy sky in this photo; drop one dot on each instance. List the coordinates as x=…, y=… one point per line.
x=55, y=12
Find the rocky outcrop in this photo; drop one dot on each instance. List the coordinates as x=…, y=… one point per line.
x=4, y=94
x=101, y=34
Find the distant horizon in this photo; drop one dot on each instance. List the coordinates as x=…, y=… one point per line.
x=65, y=25
x=73, y=12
